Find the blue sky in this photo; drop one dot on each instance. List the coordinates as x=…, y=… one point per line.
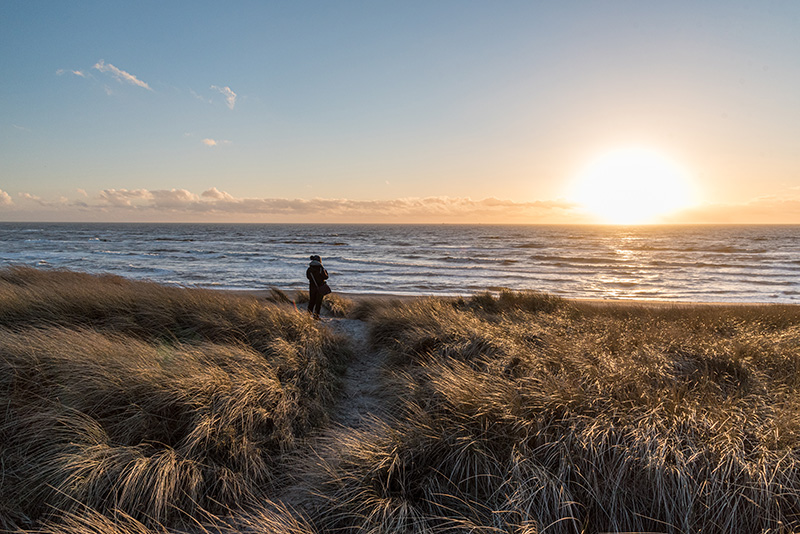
x=447, y=111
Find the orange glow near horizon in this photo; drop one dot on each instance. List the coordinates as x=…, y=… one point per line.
x=632, y=186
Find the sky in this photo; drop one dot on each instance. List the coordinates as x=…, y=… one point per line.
x=372, y=112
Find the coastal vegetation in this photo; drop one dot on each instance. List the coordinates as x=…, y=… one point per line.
x=158, y=405
x=131, y=407
x=527, y=413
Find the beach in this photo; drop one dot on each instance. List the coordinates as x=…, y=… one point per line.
x=703, y=263
x=400, y=267
x=375, y=298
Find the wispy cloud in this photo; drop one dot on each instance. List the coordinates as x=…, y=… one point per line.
x=5, y=199
x=29, y=198
x=120, y=75
x=227, y=92
x=201, y=98
x=214, y=142
x=80, y=73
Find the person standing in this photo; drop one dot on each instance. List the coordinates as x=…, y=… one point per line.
x=317, y=288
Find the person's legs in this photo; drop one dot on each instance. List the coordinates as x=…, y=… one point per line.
x=313, y=295
x=318, y=304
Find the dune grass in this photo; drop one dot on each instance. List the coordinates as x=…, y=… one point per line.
x=133, y=408
x=135, y=400
x=526, y=413
x=336, y=305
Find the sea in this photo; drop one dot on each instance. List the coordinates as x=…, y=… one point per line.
x=759, y=264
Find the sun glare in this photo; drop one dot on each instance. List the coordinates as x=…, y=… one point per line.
x=631, y=186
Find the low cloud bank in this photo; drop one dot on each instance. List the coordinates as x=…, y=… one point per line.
x=217, y=205
x=216, y=202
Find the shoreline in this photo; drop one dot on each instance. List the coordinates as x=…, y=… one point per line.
x=662, y=303
x=749, y=265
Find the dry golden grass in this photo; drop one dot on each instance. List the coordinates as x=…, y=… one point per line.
x=133, y=408
x=525, y=413
x=134, y=399
x=265, y=518
x=335, y=304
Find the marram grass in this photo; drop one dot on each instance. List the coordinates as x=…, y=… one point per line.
x=130, y=407
x=523, y=413
x=153, y=403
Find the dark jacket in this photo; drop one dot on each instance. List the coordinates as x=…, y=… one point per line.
x=316, y=274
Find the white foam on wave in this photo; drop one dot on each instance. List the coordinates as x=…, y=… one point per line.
x=746, y=264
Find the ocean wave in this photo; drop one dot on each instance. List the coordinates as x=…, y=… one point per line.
x=476, y=260
x=697, y=263
x=762, y=282
x=715, y=249
x=563, y=260
x=139, y=269
x=307, y=242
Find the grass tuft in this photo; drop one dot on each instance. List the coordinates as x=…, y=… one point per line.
x=150, y=401
x=522, y=412
x=134, y=408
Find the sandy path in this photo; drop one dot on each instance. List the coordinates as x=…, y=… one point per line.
x=363, y=403
x=362, y=397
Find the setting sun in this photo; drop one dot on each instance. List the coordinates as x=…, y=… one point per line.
x=631, y=186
